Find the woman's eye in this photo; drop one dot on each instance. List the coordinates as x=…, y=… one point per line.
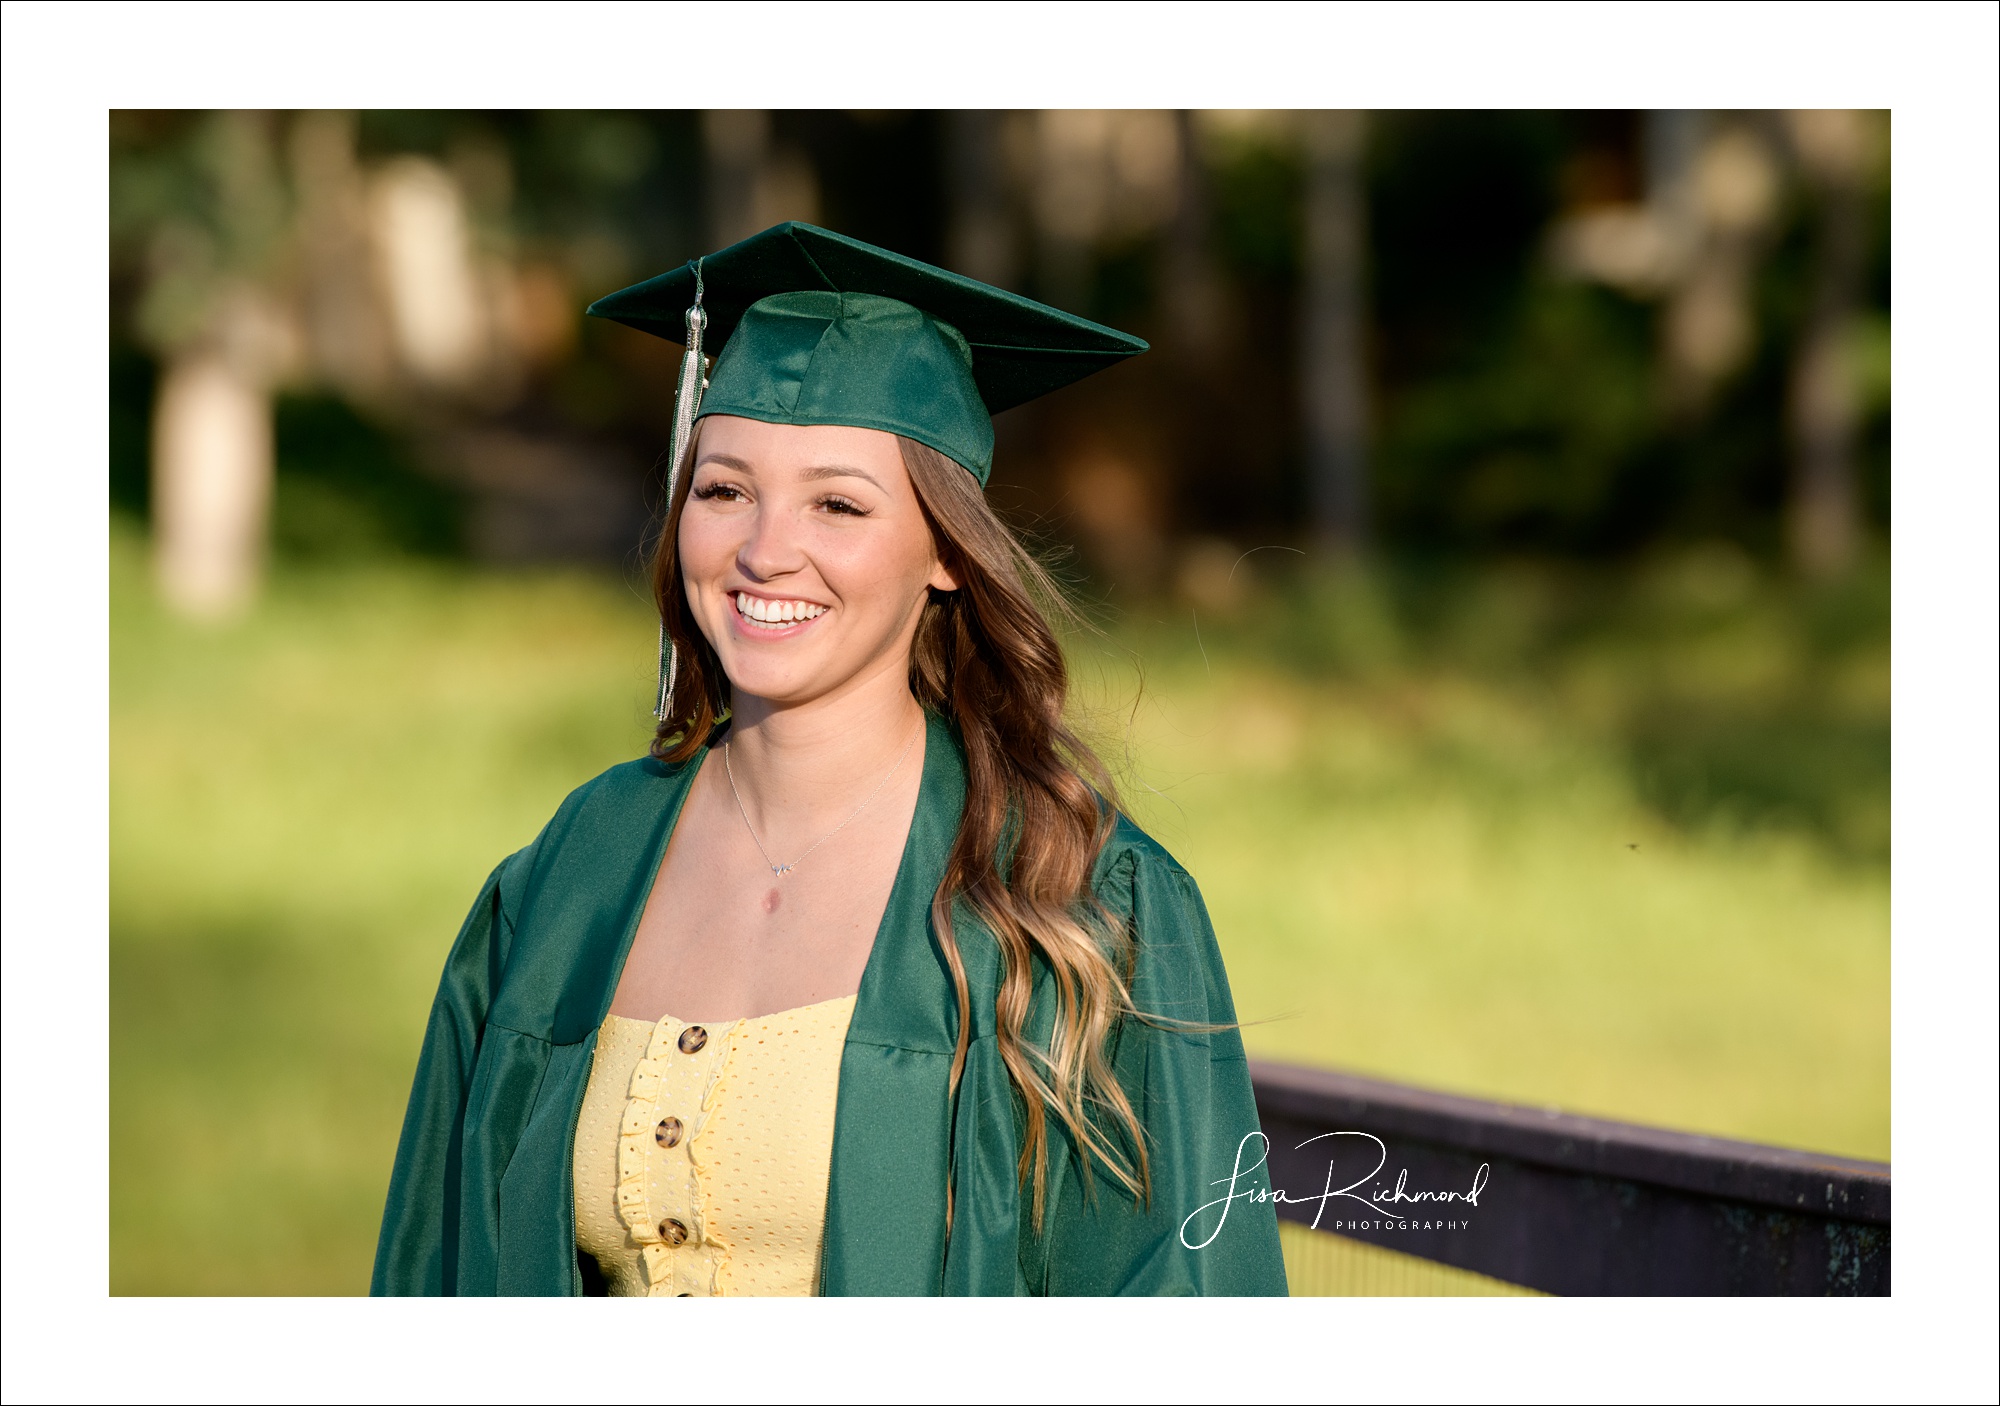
x=834, y=503
x=726, y=491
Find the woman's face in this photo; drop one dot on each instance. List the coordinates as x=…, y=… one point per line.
x=805, y=555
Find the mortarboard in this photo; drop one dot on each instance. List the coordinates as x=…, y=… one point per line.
x=815, y=328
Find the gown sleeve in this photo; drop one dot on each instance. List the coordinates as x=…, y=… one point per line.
x=417, y=1251
x=1191, y=1086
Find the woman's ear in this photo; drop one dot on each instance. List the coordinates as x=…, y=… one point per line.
x=942, y=577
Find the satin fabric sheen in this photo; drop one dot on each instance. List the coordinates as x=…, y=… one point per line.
x=818, y=358
x=481, y=1199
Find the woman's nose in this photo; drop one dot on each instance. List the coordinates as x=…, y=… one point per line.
x=772, y=547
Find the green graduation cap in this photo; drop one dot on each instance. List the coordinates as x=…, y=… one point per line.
x=819, y=329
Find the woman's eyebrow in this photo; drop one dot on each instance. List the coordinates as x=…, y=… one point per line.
x=820, y=471
x=728, y=461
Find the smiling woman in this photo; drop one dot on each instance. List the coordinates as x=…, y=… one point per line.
x=893, y=1000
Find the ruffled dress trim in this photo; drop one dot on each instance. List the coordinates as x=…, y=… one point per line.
x=679, y=1254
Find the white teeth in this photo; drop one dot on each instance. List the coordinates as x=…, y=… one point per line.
x=776, y=612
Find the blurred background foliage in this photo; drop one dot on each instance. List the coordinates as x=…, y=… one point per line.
x=1487, y=574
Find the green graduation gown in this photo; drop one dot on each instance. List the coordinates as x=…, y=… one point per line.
x=481, y=1200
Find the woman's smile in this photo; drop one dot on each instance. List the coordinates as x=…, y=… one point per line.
x=768, y=616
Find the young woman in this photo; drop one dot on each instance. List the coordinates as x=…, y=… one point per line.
x=857, y=984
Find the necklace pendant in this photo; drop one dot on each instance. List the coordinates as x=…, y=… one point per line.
x=780, y=870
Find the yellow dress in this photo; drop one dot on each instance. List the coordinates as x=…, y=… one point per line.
x=702, y=1152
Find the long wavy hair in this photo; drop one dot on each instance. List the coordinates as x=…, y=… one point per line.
x=1039, y=807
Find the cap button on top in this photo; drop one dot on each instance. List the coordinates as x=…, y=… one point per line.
x=668, y=1134
x=692, y=1039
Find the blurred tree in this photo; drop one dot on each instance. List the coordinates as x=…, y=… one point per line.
x=1244, y=478
x=1335, y=394
x=1510, y=405
x=440, y=310
x=984, y=241
x=1191, y=288
x=1823, y=517
x=1099, y=183
x=346, y=338
x=1695, y=238
x=736, y=145
x=1720, y=211
x=210, y=219
x=753, y=182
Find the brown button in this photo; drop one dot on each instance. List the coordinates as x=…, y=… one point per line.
x=673, y=1232
x=692, y=1039
x=668, y=1134
x=683, y=1296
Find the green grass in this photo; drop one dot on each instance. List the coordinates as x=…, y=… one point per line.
x=1411, y=801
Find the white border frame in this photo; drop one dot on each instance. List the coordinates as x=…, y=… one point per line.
x=1933, y=64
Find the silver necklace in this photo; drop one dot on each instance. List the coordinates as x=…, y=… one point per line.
x=780, y=870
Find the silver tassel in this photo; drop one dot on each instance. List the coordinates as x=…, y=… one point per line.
x=687, y=404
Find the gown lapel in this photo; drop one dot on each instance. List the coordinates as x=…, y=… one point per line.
x=894, y=1128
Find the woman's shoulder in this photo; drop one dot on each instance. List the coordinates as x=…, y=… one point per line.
x=611, y=803
x=1179, y=970
x=1130, y=854
x=642, y=783
x=640, y=779
x=1139, y=881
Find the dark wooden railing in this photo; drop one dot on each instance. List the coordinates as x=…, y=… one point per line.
x=1565, y=1204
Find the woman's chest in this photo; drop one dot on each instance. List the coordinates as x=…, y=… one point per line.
x=723, y=936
